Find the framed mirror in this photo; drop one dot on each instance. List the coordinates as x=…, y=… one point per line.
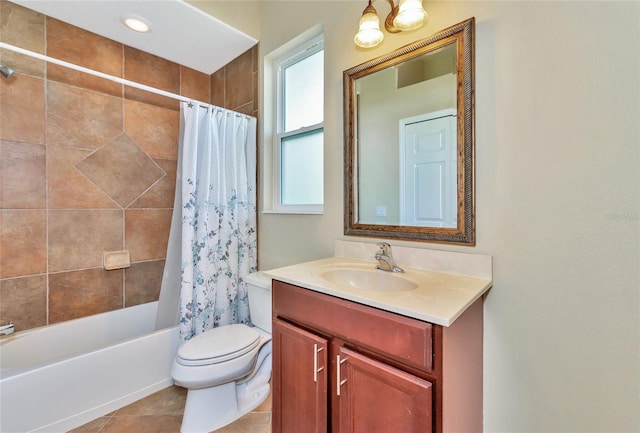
x=409, y=141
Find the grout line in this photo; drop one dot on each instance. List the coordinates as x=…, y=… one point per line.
x=45, y=80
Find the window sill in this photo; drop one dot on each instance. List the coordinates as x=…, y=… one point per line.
x=292, y=212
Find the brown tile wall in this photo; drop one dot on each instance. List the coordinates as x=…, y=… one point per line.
x=88, y=165
x=235, y=86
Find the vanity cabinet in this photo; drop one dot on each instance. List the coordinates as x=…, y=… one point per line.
x=340, y=366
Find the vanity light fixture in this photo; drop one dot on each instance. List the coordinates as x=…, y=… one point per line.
x=408, y=15
x=137, y=23
x=411, y=15
x=369, y=34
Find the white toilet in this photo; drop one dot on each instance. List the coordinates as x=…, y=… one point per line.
x=226, y=370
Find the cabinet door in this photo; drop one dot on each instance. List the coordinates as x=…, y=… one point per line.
x=373, y=397
x=299, y=380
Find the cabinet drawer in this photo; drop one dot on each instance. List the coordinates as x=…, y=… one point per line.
x=397, y=337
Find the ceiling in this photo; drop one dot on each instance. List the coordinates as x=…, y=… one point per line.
x=179, y=32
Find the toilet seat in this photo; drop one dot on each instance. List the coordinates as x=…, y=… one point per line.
x=218, y=345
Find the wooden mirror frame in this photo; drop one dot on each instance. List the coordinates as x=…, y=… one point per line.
x=462, y=35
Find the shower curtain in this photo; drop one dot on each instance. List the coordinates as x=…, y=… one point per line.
x=213, y=231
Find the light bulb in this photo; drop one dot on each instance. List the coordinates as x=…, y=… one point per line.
x=411, y=15
x=369, y=34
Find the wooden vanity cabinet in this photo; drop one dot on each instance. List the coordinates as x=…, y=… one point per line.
x=340, y=366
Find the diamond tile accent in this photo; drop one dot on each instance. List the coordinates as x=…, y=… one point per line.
x=162, y=194
x=121, y=169
x=67, y=187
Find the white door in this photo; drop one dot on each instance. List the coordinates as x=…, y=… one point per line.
x=428, y=179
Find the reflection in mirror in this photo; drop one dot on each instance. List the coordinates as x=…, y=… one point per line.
x=409, y=141
x=389, y=113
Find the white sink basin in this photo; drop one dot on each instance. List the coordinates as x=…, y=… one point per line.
x=369, y=280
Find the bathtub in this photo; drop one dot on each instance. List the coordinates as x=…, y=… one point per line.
x=58, y=377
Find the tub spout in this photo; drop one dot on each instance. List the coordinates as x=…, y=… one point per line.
x=7, y=329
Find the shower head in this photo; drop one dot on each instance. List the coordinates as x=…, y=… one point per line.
x=6, y=71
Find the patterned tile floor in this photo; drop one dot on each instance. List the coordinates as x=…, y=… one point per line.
x=162, y=413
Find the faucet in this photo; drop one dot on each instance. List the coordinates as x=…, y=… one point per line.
x=385, y=260
x=7, y=329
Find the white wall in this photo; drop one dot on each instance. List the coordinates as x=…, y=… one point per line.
x=243, y=15
x=558, y=197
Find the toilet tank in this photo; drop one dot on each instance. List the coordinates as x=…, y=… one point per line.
x=259, y=289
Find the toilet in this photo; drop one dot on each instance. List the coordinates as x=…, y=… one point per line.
x=226, y=370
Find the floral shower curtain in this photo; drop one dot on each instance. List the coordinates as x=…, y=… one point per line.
x=218, y=217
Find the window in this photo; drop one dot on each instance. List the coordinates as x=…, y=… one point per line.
x=298, y=178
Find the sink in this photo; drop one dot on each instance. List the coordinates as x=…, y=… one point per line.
x=372, y=279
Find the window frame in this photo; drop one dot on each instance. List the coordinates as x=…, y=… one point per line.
x=291, y=57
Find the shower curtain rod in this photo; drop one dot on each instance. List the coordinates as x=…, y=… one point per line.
x=114, y=78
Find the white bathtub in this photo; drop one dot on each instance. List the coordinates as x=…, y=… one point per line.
x=58, y=377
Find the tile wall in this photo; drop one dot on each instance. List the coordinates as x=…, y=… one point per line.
x=88, y=165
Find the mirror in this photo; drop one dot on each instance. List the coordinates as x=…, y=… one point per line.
x=409, y=141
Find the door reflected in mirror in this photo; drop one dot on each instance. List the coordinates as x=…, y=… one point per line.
x=409, y=141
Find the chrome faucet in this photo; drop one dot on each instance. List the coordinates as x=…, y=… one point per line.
x=7, y=329
x=385, y=259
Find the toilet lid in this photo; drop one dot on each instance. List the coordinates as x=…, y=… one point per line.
x=218, y=345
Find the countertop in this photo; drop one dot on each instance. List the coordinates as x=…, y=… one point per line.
x=438, y=298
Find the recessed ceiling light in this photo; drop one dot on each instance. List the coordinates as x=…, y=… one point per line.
x=136, y=23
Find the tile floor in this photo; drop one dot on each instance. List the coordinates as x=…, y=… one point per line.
x=162, y=413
